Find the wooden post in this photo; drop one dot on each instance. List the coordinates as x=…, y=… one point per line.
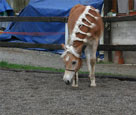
x=107, y=6
x=119, y=57
x=131, y=5
x=114, y=6
x=107, y=29
x=107, y=40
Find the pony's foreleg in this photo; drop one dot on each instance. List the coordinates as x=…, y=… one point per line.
x=75, y=80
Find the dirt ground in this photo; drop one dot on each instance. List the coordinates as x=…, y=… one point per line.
x=32, y=93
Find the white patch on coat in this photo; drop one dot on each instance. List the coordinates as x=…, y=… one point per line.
x=80, y=22
x=96, y=10
x=72, y=50
x=67, y=58
x=68, y=75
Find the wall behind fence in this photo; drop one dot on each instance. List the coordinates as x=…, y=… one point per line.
x=18, y=5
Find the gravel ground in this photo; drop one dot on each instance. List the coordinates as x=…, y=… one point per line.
x=31, y=93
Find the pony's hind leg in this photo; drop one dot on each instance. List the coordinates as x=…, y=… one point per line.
x=92, y=75
x=75, y=80
x=91, y=61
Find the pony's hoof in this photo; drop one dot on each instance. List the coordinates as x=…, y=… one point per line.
x=92, y=85
x=75, y=86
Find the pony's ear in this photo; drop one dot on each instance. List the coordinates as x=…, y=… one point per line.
x=63, y=46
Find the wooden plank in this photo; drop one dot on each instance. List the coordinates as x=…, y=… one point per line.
x=61, y=19
x=119, y=18
x=30, y=45
x=32, y=19
x=117, y=47
x=58, y=47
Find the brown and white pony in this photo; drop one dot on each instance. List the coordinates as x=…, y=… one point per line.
x=85, y=27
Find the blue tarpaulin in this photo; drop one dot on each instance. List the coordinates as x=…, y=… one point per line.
x=5, y=7
x=55, y=30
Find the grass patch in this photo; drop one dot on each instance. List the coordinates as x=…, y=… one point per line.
x=7, y=65
x=102, y=74
x=4, y=64
x=109, y=74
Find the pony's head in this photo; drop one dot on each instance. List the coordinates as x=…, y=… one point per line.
x=72, y=63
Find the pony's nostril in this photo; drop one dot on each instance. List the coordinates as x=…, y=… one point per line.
x=67, y=82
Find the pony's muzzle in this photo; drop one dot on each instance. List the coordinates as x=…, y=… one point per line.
x=67, y=82
x=68, y=76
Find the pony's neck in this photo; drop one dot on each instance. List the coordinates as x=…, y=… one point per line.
x=78, y=46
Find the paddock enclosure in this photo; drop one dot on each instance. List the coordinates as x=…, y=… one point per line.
x=43, y=93
x=32, y=93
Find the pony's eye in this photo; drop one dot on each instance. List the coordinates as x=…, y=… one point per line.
x=73, y=62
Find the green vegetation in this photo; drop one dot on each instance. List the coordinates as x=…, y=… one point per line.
x=7, y=65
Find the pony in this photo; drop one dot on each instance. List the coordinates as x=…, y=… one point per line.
x=85, y=27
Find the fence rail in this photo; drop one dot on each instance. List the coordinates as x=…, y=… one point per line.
x=32, y=19
x=55, y=46
x=59, y=47
x=119, y=18
x=60, y=19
